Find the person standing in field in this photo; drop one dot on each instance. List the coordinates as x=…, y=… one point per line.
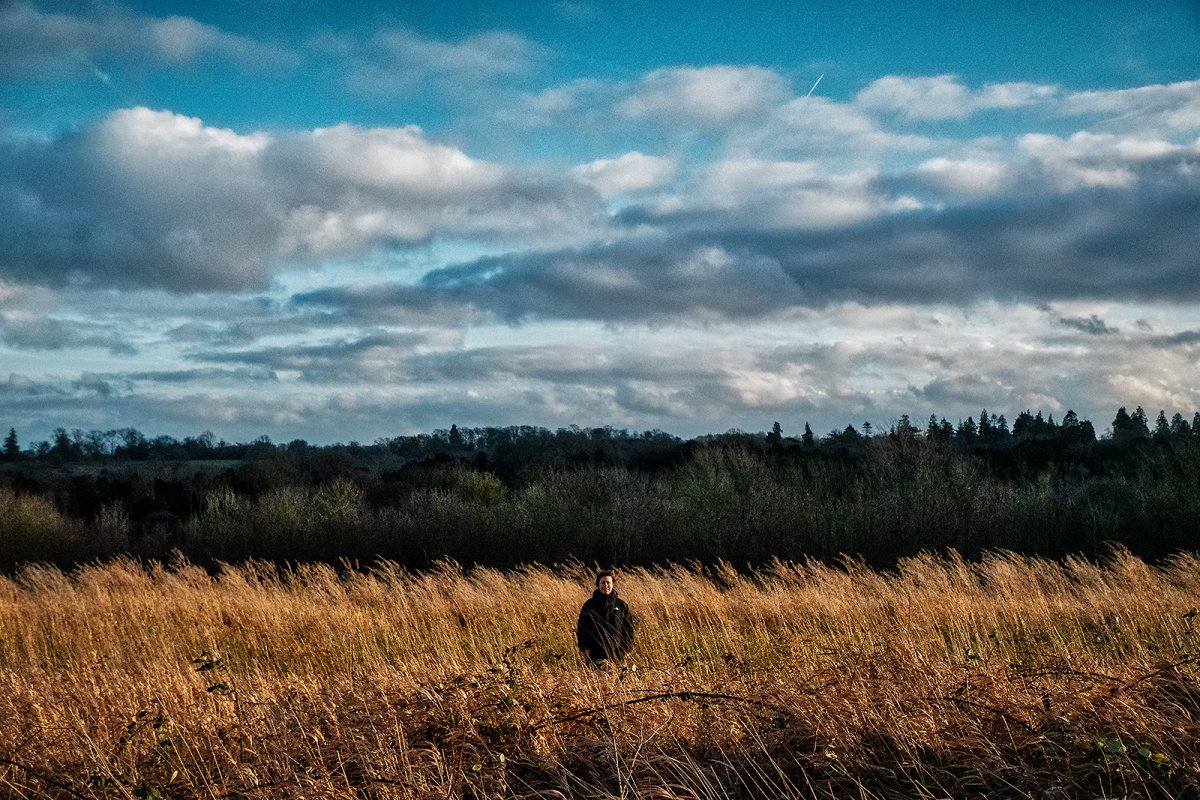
x=605, y=630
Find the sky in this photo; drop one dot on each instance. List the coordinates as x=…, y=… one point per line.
x=341, y=222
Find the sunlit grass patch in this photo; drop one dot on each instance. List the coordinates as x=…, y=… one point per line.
x=1007, y=677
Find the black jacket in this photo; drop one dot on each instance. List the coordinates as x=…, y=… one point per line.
x=605, y=626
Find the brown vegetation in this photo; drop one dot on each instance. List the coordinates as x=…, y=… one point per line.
x=1010, y=677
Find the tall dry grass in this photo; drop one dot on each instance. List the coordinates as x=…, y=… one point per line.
x=1007, y=677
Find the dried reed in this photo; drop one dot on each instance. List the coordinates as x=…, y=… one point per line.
x=1006, y=677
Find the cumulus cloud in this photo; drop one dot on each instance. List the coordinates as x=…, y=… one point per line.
x=970, y=177
x=945, y=97
x=793, y=255
x=759, y=194
x=840, y=134
x=772, y=239
x=1098, y=243
x=712, y=95
x=630, y=172
x=157, y=199
x=1086, y=159
x=38, y=44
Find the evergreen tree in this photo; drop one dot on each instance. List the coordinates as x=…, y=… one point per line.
x=967, y=433
x=1040, y=427
x=986, y=432
x=1141, y=426
x=1070, y=429
x=1023, y=427
x=776, y=434
x=1162, y=429
x=808, y=439
x=12, y=450
x=1179, y=427
x=1122, y=426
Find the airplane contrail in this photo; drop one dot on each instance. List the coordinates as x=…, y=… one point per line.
x=814, y=86
x=97, y=73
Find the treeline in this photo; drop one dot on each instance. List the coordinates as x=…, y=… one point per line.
x=78, y=446
x=578, y=445
x=502, y=496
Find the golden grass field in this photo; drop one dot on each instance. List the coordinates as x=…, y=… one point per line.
x=1010, y=677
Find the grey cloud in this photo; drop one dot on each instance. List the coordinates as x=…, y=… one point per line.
x=153, y=199
x=91, y=382
x=367, y=358
x=1179, y=339
x=595, y=367
x=1091, y=325
x=142, y=199
x=18, y=384
x=967, y=390
x=1118, y=244
x=204, y=376
x=47, y=333
x=631, y=280
x=1135, y=243
x=220, y=334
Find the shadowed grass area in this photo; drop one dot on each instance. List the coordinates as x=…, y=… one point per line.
x=1006, y=677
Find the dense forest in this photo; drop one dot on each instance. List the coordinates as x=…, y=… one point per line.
x=503, y=496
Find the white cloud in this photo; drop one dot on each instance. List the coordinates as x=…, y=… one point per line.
x=1087, y=159
x=1170, y=108
x=945, y=97
x=737, y=176
x=939, y=97
x=398, y=61
x=974, y=177
x=158, y=138
x=843, y=135
x=48, y=44
x=153, y=198
x=630, y=172
x=707, y=95
x=394, y=159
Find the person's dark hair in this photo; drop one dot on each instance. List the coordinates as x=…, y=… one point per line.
x=604, y=573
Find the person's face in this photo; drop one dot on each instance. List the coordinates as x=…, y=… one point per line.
x=605, y=584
